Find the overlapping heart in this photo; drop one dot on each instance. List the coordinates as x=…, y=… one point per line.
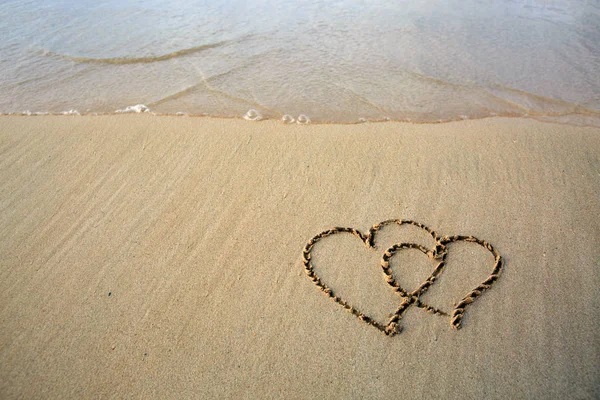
x=439, y=254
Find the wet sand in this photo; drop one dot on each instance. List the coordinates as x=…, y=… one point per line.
x=161, y=257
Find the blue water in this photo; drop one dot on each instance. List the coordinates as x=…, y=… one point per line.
x=343, y=61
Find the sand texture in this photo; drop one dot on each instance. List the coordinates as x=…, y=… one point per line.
x=162, y=257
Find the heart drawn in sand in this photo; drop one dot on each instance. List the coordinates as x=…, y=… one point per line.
x=408, y=299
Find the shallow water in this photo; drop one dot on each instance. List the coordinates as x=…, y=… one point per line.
x=344, y=61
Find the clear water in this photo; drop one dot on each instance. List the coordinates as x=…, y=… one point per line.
x=336, y=61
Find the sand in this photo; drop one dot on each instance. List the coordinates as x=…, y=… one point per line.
x=161, y=257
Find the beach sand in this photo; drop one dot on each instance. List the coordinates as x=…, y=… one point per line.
x=161, y=257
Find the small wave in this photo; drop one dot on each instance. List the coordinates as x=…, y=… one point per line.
x=138, y=108
x=204, y=83
x=139, y=60
x=589, y=118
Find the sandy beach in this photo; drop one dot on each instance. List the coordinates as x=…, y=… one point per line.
x=161, y=257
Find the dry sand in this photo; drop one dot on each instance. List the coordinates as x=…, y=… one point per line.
x=161, y=257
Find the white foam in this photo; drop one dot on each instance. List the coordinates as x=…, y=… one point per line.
x=288, y=119
x=34, y=113
x=362, y=120
x=138, y=108
x=252, y=115
x=303, y=119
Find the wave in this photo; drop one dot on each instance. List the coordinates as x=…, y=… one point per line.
x=140, y=60
x=205, y=85
x=568, y=118
x=520, y=101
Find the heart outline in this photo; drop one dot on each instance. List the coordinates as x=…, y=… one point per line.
x=440, y=251
x=460, y=308
x=391, y=328
x=414, y=296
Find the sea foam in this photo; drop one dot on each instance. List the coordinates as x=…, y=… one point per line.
x=138, y=108
x=303, y=119
x=288, y=119
x=253, y=115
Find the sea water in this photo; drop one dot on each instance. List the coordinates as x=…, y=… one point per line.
x=304, y=60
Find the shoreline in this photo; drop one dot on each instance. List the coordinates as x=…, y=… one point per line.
x=160, y=257
x=546, y=118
